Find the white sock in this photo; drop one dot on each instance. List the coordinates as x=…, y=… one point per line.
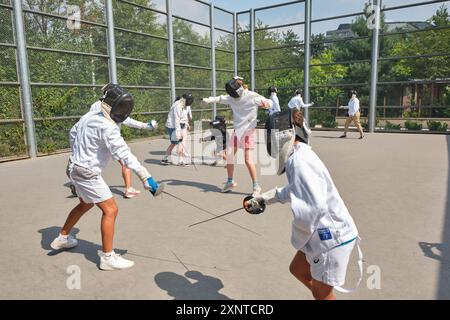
x=108, y=254
x=62, y=237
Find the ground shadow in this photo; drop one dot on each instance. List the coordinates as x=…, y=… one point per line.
x=86, y=248
x=336, y=137
x=157, y=153
x=180, y=287
x=115, y=190
x=205, y=187
x=444, y=247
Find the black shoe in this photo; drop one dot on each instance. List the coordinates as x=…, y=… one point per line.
x=361, y=137
x=343, y=136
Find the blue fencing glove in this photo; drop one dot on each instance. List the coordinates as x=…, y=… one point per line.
x=151, y=185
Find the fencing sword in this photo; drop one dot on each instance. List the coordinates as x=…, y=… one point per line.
x=210, y=213
x=189, y=155
x=217, y=217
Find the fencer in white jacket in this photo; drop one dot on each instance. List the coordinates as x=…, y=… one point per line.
x=130, y=192
x=323, y=231
x=244, y=104
x=94, y=139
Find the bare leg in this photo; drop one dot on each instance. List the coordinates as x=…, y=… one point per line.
x=300, y=269
x=170, y=149
x=109, y=210
x=75, y=215
x=126, y=175
x=322, y=291
x=231, y=152
x=250, y=164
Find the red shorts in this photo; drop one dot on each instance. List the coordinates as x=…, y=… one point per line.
x=247, y=141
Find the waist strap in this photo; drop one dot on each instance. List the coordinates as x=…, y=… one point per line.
x=360, y=264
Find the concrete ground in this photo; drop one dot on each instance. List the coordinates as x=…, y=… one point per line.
x=396, y=187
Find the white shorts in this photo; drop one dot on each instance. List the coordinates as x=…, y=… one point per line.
x=89, y=185
x=330, y=267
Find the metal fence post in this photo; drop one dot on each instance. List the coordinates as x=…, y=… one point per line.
x=235, y=30
x=213, y=55
x=24, y=78
x=170, y=47
x=307, y=53
x=374, y=70
x=111, y=42
x=252, y=49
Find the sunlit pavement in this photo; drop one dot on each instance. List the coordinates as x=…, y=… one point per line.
x=396, y=187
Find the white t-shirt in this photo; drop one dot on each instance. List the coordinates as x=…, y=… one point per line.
x=245, y=109
x=297, y=102
x=276, y=103
x=353, y=106
x=178, y=114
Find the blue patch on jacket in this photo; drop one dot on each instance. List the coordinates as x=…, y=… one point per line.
x=324, y=234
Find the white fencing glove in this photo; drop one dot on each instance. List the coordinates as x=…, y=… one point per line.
x=152, y=125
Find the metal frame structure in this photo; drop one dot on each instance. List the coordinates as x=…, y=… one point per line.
x=113, y=58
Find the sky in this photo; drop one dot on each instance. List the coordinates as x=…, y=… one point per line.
x=293, y=13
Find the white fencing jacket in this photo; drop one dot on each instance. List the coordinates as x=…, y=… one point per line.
x=276, y=104
x=297, y=102
x=245, y=109
x=128, y=122
x=321, y=219
x=94, y=139
x=353, y=106
x=178, y=114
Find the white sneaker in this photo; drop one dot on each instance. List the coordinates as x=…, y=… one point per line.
x=114, y=262
x=62, y=243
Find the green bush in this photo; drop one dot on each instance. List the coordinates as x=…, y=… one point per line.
x=412, y=125
x=437, y=126
x=312, y=122
x=329, y=122
x=391, y=126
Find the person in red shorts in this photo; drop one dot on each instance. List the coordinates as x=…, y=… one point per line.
x=245, y=104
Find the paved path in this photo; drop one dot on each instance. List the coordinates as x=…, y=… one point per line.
x=396, y=186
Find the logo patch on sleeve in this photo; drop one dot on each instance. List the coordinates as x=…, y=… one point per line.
x=324, y=234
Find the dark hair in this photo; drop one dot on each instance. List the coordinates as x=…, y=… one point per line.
x=299, y=91
x=271, y=89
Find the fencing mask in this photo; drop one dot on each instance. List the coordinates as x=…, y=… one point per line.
x=120, y=101
x=218, y=123
x=189, y=98
x=281, y=130
x=234, y=87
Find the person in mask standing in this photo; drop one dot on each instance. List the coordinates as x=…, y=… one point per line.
x=130, y=192
x=176, y=126
x=353, y=114
x=94, y=139
x=244, y=104
x=272, y=91
x=323, y=231
x=296, y=102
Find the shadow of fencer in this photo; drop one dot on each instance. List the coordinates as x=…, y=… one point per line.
x=205, y=187
x=434, y=251
x=180, y=287
x=115, y=190
x=87, y=248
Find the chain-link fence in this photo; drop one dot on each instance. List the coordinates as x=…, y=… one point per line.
x=413, y=87
x=163, y=48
